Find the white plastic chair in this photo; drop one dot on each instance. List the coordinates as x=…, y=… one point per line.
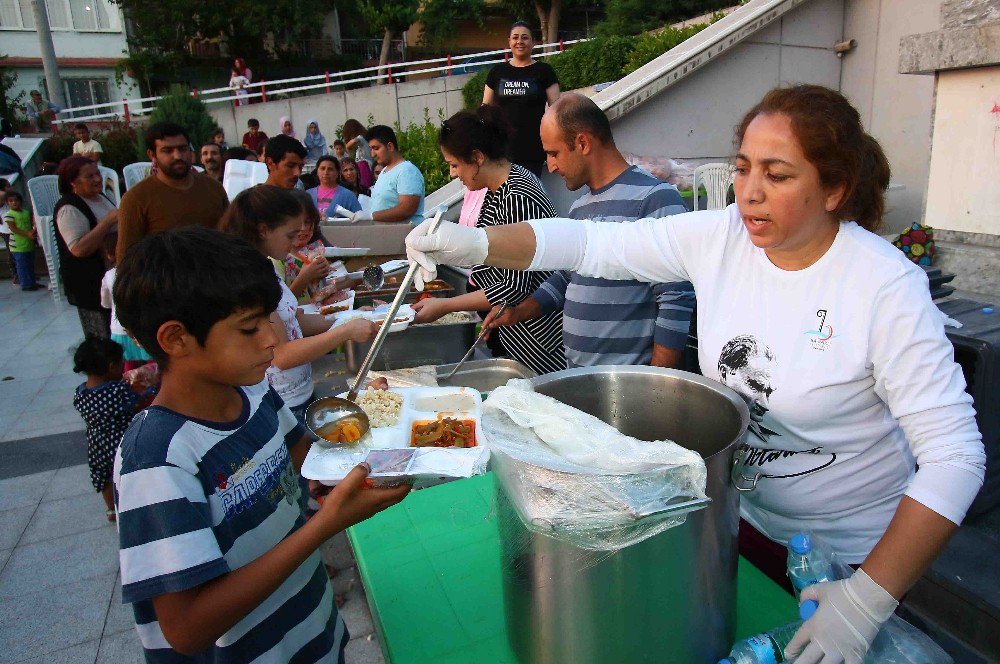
x=134, y=173
x=44, y=193
x=110, y=179
x=716, y=178
x=240, y=175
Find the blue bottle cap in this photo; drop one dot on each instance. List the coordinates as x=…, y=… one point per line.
x=808, y=608
x=800, y=543
x=987, y=310
x=726, y=661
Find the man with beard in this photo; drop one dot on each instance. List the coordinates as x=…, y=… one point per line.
x=211, y=160
x=175, y=196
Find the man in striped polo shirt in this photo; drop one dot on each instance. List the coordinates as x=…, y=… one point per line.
x=606, y=321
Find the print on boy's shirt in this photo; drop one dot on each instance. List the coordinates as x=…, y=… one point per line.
x=273, y=479
x=509, y=88
x=745, y=365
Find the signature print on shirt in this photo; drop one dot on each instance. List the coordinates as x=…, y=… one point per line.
x=745, y=365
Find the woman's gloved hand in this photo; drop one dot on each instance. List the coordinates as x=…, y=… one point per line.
x=849, y=616
x=451, y=244
x=360, y=215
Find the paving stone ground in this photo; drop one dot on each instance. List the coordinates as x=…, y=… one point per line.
x=60, y=590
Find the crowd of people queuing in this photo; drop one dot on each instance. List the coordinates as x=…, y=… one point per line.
x=207, y=291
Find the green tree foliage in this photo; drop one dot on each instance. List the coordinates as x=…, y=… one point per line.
x=472, y=91
x=596, y=61
x=630, y=17
x=419, y=144
x=389, y=18
x=247, y=26
x=439, y=18
x=9, y=104
x=187, y=111
x=652, y=45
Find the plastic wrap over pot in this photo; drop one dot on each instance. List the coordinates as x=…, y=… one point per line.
x=571, y=476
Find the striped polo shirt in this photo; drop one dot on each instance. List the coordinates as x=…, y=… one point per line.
x=197, y=500
x=617, y=322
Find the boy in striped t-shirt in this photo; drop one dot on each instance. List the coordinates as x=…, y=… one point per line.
x=217, y=557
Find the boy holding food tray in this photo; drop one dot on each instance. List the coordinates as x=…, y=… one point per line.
x=217, y=557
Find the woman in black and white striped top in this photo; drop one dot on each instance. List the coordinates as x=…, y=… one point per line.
x=475, y=145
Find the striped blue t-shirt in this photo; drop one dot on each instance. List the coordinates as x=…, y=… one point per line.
x=199, y=499
x=617, y=322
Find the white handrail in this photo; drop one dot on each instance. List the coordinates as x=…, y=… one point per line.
x=137, y=106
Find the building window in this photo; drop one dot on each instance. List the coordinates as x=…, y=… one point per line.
x=84, y=15
x=86, y=92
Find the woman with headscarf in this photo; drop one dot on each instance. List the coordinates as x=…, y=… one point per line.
x=315, y=142
x=349, y=177
x=354, y=135
x=285, y=127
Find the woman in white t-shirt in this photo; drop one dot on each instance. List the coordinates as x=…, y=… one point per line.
x=270, y=218
x=827, y=331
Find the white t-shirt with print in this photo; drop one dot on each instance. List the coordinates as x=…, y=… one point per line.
x=845, y=365
x=294, y=385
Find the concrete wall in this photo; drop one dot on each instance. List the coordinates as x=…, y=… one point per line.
x=387, y=104
x=694, y=119
x=896, y=108
x=964, y=189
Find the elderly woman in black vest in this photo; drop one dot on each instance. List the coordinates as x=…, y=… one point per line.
x=84, y=216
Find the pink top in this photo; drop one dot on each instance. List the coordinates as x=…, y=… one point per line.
x=471, y=205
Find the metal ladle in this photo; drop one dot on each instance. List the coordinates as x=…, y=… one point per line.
x=397, y=301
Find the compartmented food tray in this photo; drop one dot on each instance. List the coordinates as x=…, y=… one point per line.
x=431, y=465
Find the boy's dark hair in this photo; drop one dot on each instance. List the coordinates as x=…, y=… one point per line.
x=340, y=143
x=194, y=275
x=161, y=130
x=279, y=146
x=218, y=132
x=95, y=355
x=383, y=135
x=253, y=122
x=236, y=153
x=13, y=194
x=80, y=125
x=4, y=183
x=262, y=204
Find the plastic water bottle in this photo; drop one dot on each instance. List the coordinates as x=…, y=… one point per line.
x=806, y=565
x=769, y=647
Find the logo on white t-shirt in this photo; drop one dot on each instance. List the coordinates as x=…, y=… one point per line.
x=820, y=338
x=746, y=365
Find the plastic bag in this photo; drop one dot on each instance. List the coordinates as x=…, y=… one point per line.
x=898, y=642
x=679, y=173
x=571, y=476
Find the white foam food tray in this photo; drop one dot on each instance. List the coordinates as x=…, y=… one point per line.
x=431, y=465
x=334, y=316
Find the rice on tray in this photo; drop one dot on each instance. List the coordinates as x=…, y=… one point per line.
x=381, y=406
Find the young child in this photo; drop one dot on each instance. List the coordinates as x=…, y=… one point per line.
x=5, y=231
x=270, y=218
x=107, y=405
x=216, y=555
x=339, y=149
x=22, y=240
x=134, y=356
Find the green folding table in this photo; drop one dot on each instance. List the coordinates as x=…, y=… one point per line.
x=431, y=569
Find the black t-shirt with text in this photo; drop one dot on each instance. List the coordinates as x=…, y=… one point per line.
x=520, y=92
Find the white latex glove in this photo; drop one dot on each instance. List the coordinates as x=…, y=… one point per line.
x=361, y=215
x=451, y=244
x=849, y=616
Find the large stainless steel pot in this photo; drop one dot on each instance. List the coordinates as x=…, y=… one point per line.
x=670, y=598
